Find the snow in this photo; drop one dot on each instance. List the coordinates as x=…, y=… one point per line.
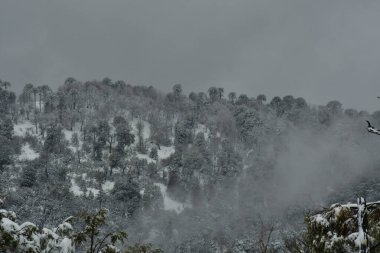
x=66, y=245
x=21, y=128
x=27, y=153
x=361, y=239
x=337, y=211
x=165, y=152
x=64, y=226
x=170, y=204
x=107, y=186
x=321, y=220
x=38, y=104
x=94, y=191
x=146, y=130
x=9, y=225
x=68, y=134
x=75, y=189
x=146, y=157
x=202, y=129
x=29, y=239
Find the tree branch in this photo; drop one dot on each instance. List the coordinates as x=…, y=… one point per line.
x=371, y=129
x=99, y=244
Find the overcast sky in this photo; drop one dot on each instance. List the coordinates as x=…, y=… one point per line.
x=318, y=49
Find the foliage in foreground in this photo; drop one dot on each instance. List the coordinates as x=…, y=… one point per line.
x=336, y=230
x=28, y=238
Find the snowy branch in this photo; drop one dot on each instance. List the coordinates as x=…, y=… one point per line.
x=371, y=129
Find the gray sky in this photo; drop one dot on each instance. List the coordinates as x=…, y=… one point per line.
x=318, y=49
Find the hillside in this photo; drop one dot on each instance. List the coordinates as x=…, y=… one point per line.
x=200, y=172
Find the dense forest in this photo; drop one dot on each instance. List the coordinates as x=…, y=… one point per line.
x=105, y=166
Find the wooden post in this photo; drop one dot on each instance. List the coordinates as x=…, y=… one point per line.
x=362, y=226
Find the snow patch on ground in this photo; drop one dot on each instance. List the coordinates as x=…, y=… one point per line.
x=107, y=186
x=21, y=128
x=170, y=204
x=94, y=191
x=146, y=157
x=202, y=129
x=27, y=153
x=75, y=189
x=68, y=134
x=165, y=152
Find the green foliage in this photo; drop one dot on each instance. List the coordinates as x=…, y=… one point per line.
x=28, y=176
x=229, y=161
x=6, y=152
x=7, y=100
x=91, y=237
x=54, y=142
x=115, y=158
x=103, y=131
x=75, y=140
x=128, y=193
x=124, y=137
x=6, y=127
x=159, y=130
x=248, y=124
x=152, y=198
x=141, y=148
x=119, y=120
x=28, y=238
x=336, y=230
x=184, y=131
x=153, y=153
x=142, y=248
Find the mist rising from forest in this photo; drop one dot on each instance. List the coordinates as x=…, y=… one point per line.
x=301, y=172
x=234, y=164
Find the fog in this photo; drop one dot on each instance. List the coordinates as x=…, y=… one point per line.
x=302, y=171
x=282, y=161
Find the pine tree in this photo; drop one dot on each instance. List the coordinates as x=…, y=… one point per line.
x=153, y=153
x=29, y=176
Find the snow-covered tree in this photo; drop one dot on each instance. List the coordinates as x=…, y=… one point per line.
x=28, y=238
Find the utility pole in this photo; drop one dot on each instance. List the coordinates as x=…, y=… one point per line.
x=362, y=239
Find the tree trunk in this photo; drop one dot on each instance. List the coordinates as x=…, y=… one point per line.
x=35, y=101
x=40, y=103
x=46, y=172
x=78, y=154
x=110, y=142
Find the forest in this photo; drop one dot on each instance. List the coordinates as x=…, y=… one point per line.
x=106, y=166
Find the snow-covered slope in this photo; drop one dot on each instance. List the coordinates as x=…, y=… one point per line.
x=27, y=153
x=170, y=204
x=21, y=128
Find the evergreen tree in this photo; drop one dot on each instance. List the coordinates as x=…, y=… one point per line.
x=153, y=153
x=29, y=176
x=124, y=137
x=54, y=142
x=141, y=148
x=6, y=152
x=6, y=127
